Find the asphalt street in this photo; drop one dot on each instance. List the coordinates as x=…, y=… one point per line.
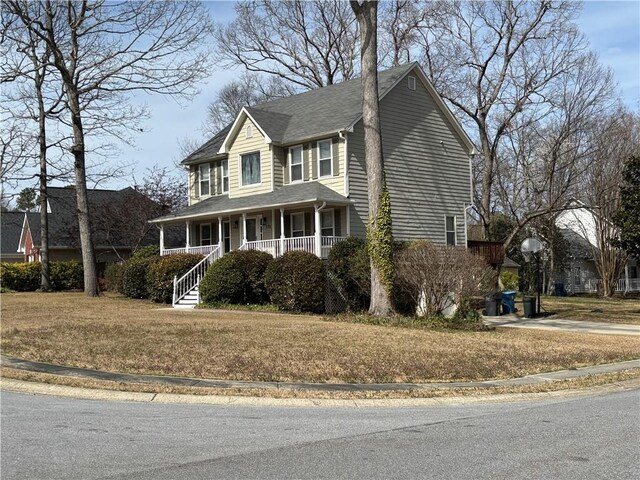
x=577, y=438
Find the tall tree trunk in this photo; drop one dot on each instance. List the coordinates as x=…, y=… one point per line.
x=39, y=77
x=381, y=285
x=82, y=199
x=45, y=284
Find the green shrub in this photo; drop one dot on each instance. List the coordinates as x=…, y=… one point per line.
x=66, y=275
x=237, y=278
x=253, y=265
x=146, y=252
x=510, y=280
x=224, y=281
x=113, y=277
x=349, y=262
x=22, y=277
x=296, y=282
x=162, y=271
x=134, y=277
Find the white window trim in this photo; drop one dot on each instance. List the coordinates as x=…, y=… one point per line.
x=333, y=220
x=330, y=158
x=301, y=164
x=210, y=234
x=223, y=177
x=200, y=180
x=249, y=131
x=304, y=226
x=411, y=82
x=242, y=185
x=455, y=230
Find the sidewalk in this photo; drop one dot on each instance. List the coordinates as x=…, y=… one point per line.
x=559, y=324
x=327, y=387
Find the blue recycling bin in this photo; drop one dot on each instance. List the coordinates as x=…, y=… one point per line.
x=508, y=302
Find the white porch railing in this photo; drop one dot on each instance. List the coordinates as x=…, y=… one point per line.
x=186, y=283
x=200, y=250
x=634, y=285
x=272, y=247
x=328, y=243
x=279, y=246
x=593, y=285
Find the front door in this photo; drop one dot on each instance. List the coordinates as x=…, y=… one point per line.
x=252, y=229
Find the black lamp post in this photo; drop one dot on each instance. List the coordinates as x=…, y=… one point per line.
x=533, y=246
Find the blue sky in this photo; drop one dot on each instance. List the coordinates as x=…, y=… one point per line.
x=612, y=27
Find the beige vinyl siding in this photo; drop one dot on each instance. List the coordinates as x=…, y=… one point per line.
x=426, y=164
x=193, y=184
x=310, y=164
x=242, y=145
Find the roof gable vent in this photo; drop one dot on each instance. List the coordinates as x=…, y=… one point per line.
x=411, y=83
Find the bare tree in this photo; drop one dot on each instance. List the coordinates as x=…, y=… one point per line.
x=547, y=150
x=308, y=44
x=496, y=62
x=163, y=187
x=616, y=137
x=103, y=51
x=379, y=232
x=30, y=67
x=249, y=89
x=405, y=23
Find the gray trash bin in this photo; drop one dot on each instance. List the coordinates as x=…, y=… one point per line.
x=492, y=304
x=529, y=306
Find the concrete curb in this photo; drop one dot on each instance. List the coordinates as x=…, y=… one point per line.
x=536, y=379
x=33, y=388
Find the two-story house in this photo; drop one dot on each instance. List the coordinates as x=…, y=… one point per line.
x=291, y=173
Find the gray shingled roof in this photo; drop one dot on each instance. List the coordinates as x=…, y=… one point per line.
x=307, y=115
x=209, y=151
x=63, y=218
x=308, y=192
x=10, y=230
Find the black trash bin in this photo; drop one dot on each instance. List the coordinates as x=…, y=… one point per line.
x=529, y=307
x=492, y=304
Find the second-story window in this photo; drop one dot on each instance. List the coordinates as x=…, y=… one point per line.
x=225, y=176
x=205, y=180
x=250, y=168
x=325, y=161
x=296, y=164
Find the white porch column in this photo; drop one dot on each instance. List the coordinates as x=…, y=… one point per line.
x=244, y=228
x=188, y=244
x=318, y=233
x=281, y=231
x=220, y=239
x=161, y=239
x=348, y=220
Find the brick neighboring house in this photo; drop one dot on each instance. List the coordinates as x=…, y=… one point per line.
x=290, y=174
x=119, y=221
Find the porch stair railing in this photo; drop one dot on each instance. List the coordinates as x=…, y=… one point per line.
x=190, y=280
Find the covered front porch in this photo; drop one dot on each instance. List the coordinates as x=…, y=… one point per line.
x=314, y=226
x=315, y=230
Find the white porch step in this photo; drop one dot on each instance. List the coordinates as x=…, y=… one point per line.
x=190, y=300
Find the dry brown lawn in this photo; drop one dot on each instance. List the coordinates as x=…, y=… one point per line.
x=118, y=334
x=594, y=309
